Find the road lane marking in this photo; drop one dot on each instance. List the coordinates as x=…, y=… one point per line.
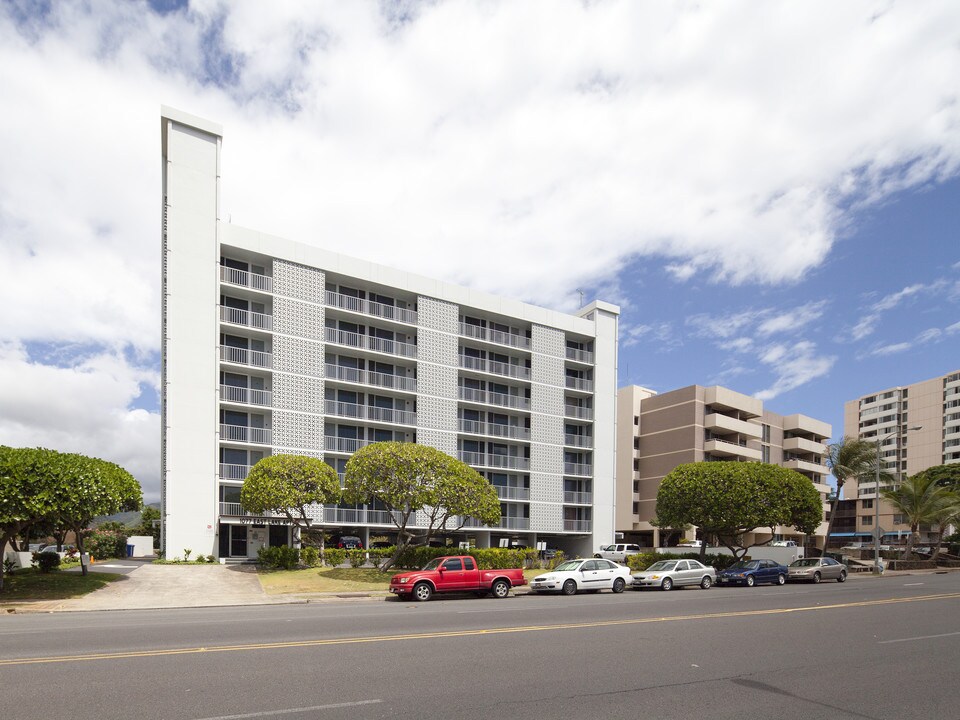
x=466, y=633
x=918, y=637
x=289, y=711
x=911, y=584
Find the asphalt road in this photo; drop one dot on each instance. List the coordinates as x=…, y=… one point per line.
x=869, y=648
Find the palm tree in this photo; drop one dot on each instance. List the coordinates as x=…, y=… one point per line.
x=848, y=459
x=948, y=514
x=921, y=501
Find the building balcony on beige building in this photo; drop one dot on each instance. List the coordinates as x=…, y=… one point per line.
x=806, y=466
x=724, y=399
x=801, y=445
x=720, y=424
x=728, y=449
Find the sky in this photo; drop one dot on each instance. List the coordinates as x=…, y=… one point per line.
x=769, y=190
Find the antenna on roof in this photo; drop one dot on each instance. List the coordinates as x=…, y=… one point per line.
x=581, y=296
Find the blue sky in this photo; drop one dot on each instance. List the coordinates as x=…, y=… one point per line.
x=769, y=190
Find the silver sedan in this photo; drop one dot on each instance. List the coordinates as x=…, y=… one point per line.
x=816, y=569
x=667, y=574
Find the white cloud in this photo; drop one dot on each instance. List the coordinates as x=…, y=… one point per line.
x=793, y=366
x=893, y=349
x=869, y=322
x=951, y=329
x=792, y=320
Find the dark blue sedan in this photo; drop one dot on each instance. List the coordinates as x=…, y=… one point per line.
x=753, y=572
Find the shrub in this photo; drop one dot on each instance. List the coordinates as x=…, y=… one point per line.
x=281, y=556
x=309, y=556
x=357, y=558
x=9, y=566
x=211, y=558
x=48, y=561
x=334, y=557
x=106, y=544
x=186, y=554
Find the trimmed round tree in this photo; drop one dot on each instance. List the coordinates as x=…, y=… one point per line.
x=731, y=499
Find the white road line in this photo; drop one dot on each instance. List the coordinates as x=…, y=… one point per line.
x=918, y=637
x=911, y=584
x=288, y=711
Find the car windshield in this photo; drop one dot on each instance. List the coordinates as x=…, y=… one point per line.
x=433, y=564
x=805, y=562
x=662, y=565
x=568, y=565
x=745, y=565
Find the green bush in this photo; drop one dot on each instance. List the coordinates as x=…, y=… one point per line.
x=211, y=558
x=102, y=544
x=357, y=558
x=47, y=561
x=309, y=556
x=281, y=556
x=642, y=561
x=334, y=557
x=487, y=558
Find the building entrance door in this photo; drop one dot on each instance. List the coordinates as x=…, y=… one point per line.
x=258, y=538
x=238, y=540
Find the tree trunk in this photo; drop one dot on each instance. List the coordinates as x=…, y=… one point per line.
x=911, y=541
x=936, y=552
x=79, y=535
x=833, y=511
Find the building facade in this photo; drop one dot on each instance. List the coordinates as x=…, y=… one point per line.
x=917, y=426
x=270, y=346
x=657, y=432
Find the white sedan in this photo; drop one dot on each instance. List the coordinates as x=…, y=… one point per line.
x=572, y=576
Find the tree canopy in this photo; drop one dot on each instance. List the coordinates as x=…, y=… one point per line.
x=943, y=475
x=848, y=459
x=407, y=478
x=730, y=499
x=290, y=485
x=921, y=500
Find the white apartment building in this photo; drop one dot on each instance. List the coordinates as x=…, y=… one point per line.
x=270, y=346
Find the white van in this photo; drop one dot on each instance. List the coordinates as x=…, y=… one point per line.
x=618, y=553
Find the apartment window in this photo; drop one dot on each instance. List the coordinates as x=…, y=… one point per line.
x=636, y=508
x=867, y=504
x=636, y=420
x=636, y=486
x=765, y=453
x=766, y=434
x=866, y=520
x=636, y=465
x=636, y=443
x=899, y=520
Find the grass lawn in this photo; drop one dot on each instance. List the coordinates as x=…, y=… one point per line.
x=31, y=584
x=316, y=580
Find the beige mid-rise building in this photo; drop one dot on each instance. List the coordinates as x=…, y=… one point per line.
x=657, y=432
x=917, y=426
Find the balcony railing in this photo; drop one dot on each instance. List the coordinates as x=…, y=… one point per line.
x=355, y=516
x=388, y=312
x=496, y=368
x=242, y=356
x=343, y=445
x=247, y=396
x=577, y=498
x=575, y=411
x=577, y=469
x=248, y=318
x=513, y=523
x=580, y=526
x=495, y=461
x=495, y=336
x=493, y=398
x=514, y=432
x=584, y=356
x=246, y=279
x=244, y=434
x=235, y=509
x=369, y=342
x=512, y=493
x=584, y=441
x=579, y=384
x=233, y=472
x=369, y=412
x=365, y=377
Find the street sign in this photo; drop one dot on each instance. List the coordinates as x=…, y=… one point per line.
x=878, y=533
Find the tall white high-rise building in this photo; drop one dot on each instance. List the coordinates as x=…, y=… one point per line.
x=270, y=346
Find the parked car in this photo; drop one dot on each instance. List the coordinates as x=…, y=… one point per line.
x=572, y=576
x=348, y=542
x=618, y=552
x=455, y=574
x=381, y=545
x=667, y=574
x=753, y=572
x=855, y=546
x=816, y=569
x=784, y=543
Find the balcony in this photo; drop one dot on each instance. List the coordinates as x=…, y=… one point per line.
x=505, y=492
x=355, y=516
x=509, y=462
x=242, y=356
x=247, y=318
x=233, y=472
x=578, y=526
x=494, y=336
x=373, y=309
x=331, y=443
x=403, y=383
x=242, y=278
x=575, y=411
x=577, y=498
x=513, y=523
x=805, y=466
x=574, y=383
x=729, y=449
x=235, y=509
x=245, y=396
x=244, y=434
x=722, y=398
x=578, y=469
x=369, y=342
x=582, y=356
x=514, y=432
x=495, y=368
x=724, y=424
x=803, y=445
x=803, y=425
x=369, y=412
x=581, y=441
x=491, y=398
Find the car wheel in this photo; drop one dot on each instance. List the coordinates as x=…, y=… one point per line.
x=781, y=579
x=667, y=584
x=569, y=587
x=618, y=585
x=422, y=592
x=596, y=555
x=751, y=581
x=706, y=583
x=843, y=576
x=500, y=589
x=816, y=578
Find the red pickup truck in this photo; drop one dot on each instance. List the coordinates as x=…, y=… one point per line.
x=455, y=574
